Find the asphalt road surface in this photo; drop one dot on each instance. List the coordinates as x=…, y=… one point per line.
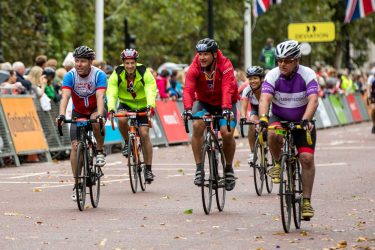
x=36, y=211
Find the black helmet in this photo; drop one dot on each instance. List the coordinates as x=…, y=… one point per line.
x=48, y=71
x=207, y=45
x=255, y=71
x=84, y=52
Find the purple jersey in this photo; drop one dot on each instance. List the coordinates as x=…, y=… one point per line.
x=290, y=95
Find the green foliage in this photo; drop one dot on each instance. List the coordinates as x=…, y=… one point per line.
x=167, y=30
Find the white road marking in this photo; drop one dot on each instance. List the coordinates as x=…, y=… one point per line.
x=32, y=174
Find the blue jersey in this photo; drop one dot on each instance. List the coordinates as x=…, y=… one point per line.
x=290, y=94
x=84, y=89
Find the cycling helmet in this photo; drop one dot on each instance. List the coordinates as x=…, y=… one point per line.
x=207, y=45
x=48, y=71
x=288, y=49
x=129, y=54
x=84, y=52
x=255, y=71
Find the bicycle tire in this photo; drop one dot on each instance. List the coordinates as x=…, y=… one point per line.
x=141, y=167
x=95, y=175
x=207, y=185
x=132, y=166
x=80, y=175
x=268, y=163
x=258, y=168
x=285, y=194
x=297, y=197
x=219, y=161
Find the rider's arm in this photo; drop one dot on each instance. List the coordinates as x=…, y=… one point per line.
x=112, y=91
x=228, y=84
x=190, y=86
x=66, y=93
x=264, y=103
x=312, y=105
x=150, y=88
x=244, y=105
x=101, y=86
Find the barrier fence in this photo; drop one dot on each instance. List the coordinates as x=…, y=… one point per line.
x=26, y=129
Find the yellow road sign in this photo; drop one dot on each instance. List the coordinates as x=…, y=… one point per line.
x=312, y=32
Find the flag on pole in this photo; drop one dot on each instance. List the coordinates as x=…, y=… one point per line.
x=356, y=9
x=261, y=6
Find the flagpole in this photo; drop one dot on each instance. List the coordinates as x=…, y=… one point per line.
x=247, y=34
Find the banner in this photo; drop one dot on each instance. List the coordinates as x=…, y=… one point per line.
x=24, y=125
x=171, y=121
x=338, y=108
x=322, y=115
x=353, y=106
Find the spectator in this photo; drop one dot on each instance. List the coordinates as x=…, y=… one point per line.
x=175, y=89
x=242, y=81
x=153, y=72
x=41, y=61
x=51, y=91
x=359, y=83
x=6, y=66
x=346, y=84
x=162, y=84
x=99, y=64
x=19, y=67
x=52, y=63
x=57, y=81
x=267, y=56
x=9, y=84
x=38, y=83
x=68, y=63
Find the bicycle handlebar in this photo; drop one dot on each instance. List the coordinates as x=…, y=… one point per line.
x=76, y=120
x=129, y=113
x=242, y=123
x=286, y=125
x=201, y=118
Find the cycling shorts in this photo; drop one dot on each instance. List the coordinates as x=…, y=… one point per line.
x=200, y=108
x=299, y=137
x=141, y=120
x=73, y=126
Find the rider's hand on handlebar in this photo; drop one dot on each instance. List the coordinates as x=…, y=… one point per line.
x=150, y=111
x=307, y=125
x=243, y=120
x=263, y=122
x=101, y=119
x=111, y=115
x=60, y=119
x=228, y=114
x=187, y=114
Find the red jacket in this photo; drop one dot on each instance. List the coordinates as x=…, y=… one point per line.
x=225, y=91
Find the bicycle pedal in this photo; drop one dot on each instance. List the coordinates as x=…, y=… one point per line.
x=306, y=219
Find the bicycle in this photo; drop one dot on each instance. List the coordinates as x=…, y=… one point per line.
x=213, y=162
x=86, y=174
x=290, y=189
x=262, y=160
x=136, y=163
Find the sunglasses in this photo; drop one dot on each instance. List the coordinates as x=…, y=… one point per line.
x=285, y=61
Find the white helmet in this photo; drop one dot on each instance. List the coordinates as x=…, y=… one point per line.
x=288, y=49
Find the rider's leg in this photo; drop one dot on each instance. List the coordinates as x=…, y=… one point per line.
x=308, y=173
x=146, y=144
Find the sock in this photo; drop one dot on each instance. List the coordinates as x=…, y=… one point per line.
x=199, y=166
x=100, y=152
x=306, y=199
x=148, y=167
x=229, y=168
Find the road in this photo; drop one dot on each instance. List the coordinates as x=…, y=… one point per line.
x=36, y=211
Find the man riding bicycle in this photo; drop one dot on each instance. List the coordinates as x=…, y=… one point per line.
x=293, y=91
x=135, y=88
x=86, y=85
x=210, y=86
x=251, y=94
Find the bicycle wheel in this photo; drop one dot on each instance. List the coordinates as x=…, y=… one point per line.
x=258, y=168
x=285, y=194
x=132, y=165
x=219, y=167
x=268, y=163
x=95, y=175
x=80, y=175
x=297, y=196
x=207, y=186
x=141, y=167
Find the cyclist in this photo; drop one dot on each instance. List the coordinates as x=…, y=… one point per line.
x=211, y=86
x=371, y=97
x=135, y=88
x=86, y=85
x=251, y=94
x=293, y=90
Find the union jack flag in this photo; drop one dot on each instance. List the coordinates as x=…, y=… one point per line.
x=261, y=6
x=356, y=9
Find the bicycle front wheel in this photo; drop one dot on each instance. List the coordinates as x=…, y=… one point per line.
x=258, y=168
x=141, y=168
x=297, y=196
x=132, y=165
x=207, y=186
x=80, y=175
x=95, y=175
x=285, y=193
x=268, y=163
x=220, y=191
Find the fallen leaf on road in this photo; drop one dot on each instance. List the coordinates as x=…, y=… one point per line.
x=9, y=238
x=180, y=238
x=103, y=242
x=188, y=211
x=37, y=190
x=202, y=232
x=12, y=214
x=188, y=220
x=234, y=199
x=162, y=224
x=257, y=238
x=181, y=171
x=216, y=227
x=342, y=244
x=167, y=197
x=142, y=225
x=361, y=239
x=279, y=233
x=304, y=233
x=241, y=228
x=338, y=230
x=237, y=164
x=38, y=222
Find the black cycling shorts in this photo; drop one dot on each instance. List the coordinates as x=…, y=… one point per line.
x=141, y=120
x=299, y=137
x=73, y=126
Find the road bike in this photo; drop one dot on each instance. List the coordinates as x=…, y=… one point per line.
x=136, y=162
x=262, y=161
x=213, y=162
x=290, y=189
x=86, y=173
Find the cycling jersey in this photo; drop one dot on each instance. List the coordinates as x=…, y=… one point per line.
x=290, y=93
x=221, y=92
x=144, y=94
x=250, y=95
x=84, y=89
